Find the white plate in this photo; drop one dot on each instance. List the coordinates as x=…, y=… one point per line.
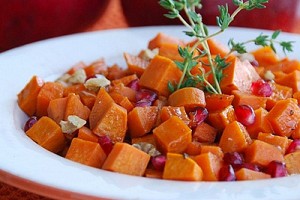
x=28, y=166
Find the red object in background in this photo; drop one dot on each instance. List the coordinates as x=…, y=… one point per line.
x=25, y=21
x=279, y=14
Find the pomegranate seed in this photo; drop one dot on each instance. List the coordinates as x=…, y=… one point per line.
x=276, y=169
x=198, y=116
x=261, y=88
x=134, y=84
x=254, y=63
x=226, y=173
x=145, y=94
x=105, y=143
x=294, y=146
x=233, y=158
x=29, y=123
x=158, y=162
x=245, y=114
x=143, y=103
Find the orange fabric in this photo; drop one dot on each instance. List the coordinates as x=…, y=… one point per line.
x=111, y=19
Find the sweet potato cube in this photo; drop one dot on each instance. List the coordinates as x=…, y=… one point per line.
x=205, y=133
x=122, y=101
x=113, y=123
x=47, y=133
x=234, y=138
x=239, y=75
x=125, y=80
x=220, y=119
x=245, y=98
x=124, y=91
x=27, y=98
x=126, y=159
x=262, y=153
x=216, y=102
x=280, y=92
x=152, y=173
x=292, y=161
x=88, y=98
x=162, y=38
x=87, y=134
x=102, y=103
x=74, y=106
x=170, y=51
x=265, y=56
x=76, y=89
x=159, y=73
x=290, y=80
x=135, y=64
x=284, y=117
x=168, y=111
x=149, y=138
x=141, y=120
x=260, y=124
x=49, y=91
x=188, y=97
x=281, y=142
x=173, y=135
x=210, y=165
x=193, y=148
x=247, y=174
x=182, y=168
x=212, y=149
x=56, y=109
x=86, y=152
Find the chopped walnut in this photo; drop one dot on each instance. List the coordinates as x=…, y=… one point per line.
x=150, y=54
x=94, y=84
x=78, y=77
x=269, y=76
x=74, y=122
x=246, y=56
x=147, y=148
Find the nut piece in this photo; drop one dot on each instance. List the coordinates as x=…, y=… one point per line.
x=74, y=122
x=147, y=148
x=269, y=76
x=149, y=54
x=78, y=77
x=94, y=84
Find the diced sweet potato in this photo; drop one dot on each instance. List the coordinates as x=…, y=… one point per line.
x=47, y=133
x=122, y=101
x=141, y=120
x=292, y=162
x=212, y=149
x=188, y=97
x=87, y=134
x=260, y=124
x=48, y=92
x=135, y=64
x=182, y=168
x=112, y=123
x=243, y=98
x=220, y=119
x=290, y=80
x=239, y=75
x=169, y=111
x=162, y=38
x=262, y=153
x=27, y=98
x=159, y=73
x=86, y=152
x=216, y=102
x=173, y=135
x=152, y=173
x=126, y=159
x=76, y=89
x=74, y=106
x=124, y=91
x=125, y=80
x=170, y=51
x=284, y=117
x=56, y=109
x=102, y=103
x=205, y=133
x=265, y=56
x=193, y=148
x=280, y=92
x=149, y=138
x=247, y=174
x=281, y=142
x=210, y=165
x=235, y=138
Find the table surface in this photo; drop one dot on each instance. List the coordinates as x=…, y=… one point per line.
x=111, y=19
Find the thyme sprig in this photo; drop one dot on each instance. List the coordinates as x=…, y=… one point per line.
x=196, y=28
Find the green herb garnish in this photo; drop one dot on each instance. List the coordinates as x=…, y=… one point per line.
x=197, y=29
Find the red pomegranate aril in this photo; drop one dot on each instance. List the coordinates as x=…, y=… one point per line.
x=294, y=146
x=276, y=169
x=134, y=84
x=105, y=143
x=245, y=114
x=226, y=173
x=261, y=88
x=158, y=162
x=198, y=116
x=143, y=103
x=233, y=158
x=29, y=123
x=145, y=94
x=254, y=63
